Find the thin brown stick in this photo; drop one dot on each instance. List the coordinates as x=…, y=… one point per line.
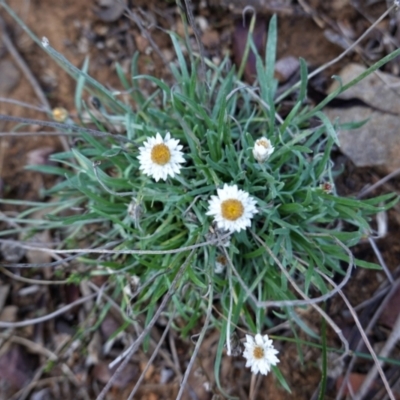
x=117, y=308
x=380, y=259
x=64, y=262
x=47, y=317
x=293, y=303
x=368, y=328
x=382, y=181
x=339, y=57
x=174, y=352
x=329, y=320
x=31, y=281
x=153, y=356
x=60, y=126
x=29, y=75
x=23, y=104
x=47, y=133
x=145, y=32
x=38, y=383
x=127, y=354
x=197, y=347
x=192, y=22
x=33, y=347
x=252, y=389
x=23, y=66
x=106, y=251
x=377, y=364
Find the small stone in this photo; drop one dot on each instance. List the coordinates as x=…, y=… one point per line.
x=210, y=38
x=9, y=314
x=285, y=68
x=377, y=142
x=141, y=43
x=179, y=28
x=12, y=252
x=168, y=54
x=111, y=10
x=202, y=23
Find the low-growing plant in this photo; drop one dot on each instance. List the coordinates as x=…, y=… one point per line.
x=136, y=205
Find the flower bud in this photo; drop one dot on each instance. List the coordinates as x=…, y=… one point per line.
x=60, y=114
x=262, y=149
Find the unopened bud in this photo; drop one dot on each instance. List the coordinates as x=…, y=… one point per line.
x=262, y=149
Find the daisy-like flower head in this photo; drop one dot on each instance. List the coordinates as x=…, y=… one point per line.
x=160, y=158
x=232, y=209
x=260, y=354
x=262, y=149
x=327, y=187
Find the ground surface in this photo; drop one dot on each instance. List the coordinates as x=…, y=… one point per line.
x=77, y=29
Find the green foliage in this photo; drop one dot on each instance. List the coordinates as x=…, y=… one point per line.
x=304, y=229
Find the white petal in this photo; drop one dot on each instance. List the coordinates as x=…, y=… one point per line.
x=232, y=192
x=259, y=339
x=269, y=359
x=156, y=171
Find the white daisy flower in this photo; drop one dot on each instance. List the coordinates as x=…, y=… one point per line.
x=262, y=149
x=232, y=209
x=260, y=354
x=160, y=158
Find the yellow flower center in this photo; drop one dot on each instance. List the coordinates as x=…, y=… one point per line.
x=232, y=209
x=258, y=353
x=160, y=154
x=263, y=143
